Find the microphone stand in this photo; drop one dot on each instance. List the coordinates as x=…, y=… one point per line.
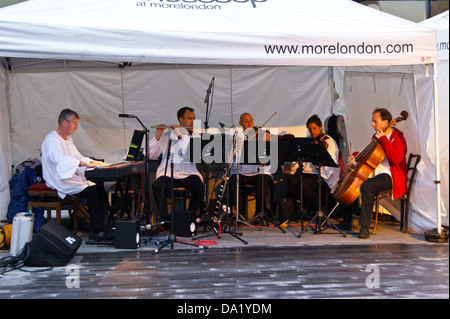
x=147, y=167
x=208, y=102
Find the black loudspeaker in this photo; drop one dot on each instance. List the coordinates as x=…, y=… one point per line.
x=53, y=245
x=127, y=234
x=184, y=223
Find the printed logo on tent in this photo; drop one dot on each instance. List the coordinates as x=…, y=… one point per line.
x=194, y=4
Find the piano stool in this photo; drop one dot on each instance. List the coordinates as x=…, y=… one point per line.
x=43, y=196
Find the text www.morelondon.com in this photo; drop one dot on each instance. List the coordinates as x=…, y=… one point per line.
x=338, y=48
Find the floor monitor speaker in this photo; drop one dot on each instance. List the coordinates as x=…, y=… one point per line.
x=184, y=223
x=127, y=234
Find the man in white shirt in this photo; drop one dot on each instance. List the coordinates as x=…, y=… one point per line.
x=185, y=174
x=310, y=173
x=63, y=169
x=251, y=174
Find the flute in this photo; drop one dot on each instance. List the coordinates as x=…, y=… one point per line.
x=170, y=126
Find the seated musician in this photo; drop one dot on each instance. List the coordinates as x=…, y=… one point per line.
x=185, y=174
x=63, y=169
x=390, y=174
x=250, y=174
x=310, y=173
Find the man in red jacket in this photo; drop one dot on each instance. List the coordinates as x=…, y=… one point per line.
x=390, y=174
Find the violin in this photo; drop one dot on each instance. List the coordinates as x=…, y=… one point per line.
x=322, y=139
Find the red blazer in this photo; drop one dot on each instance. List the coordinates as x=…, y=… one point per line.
x=395, y=149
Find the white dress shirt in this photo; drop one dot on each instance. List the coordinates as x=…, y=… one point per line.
x=384, y=166
x=178, y=154
x=247, y=169
x=60, y=165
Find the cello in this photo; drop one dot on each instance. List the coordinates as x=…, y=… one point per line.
x=366, y=162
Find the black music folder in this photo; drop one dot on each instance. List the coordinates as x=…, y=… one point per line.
x=306, y=149
x=134, y=151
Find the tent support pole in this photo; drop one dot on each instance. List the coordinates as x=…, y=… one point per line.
x=437, y=145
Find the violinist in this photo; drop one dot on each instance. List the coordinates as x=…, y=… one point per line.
x=185, y=174
x=251, y=174
x=389, y=175
x=310, y=173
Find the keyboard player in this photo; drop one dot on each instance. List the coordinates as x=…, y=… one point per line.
x=63, y=169
x=185, y=174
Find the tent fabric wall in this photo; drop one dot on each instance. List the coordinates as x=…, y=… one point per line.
x=154, y=94
x=441, y=24
x=5, y=146
x=410, y=88
x=443, y=82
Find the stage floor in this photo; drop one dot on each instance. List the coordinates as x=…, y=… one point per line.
x=272, y=266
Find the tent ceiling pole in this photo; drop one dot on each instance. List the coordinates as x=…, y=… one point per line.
x=331, y=86
x=123, y=106
x=8, y=105
x=231, y=95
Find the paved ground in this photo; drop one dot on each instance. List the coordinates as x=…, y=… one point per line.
x=272, y=266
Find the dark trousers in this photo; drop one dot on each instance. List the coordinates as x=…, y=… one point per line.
x=369, y=189
x=96, y=206
x=263, y=184
x=192, y=183
x=310, y=191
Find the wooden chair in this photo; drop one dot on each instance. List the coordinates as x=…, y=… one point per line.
x=43, y=196
x=413, y=161
x=249, y=194
x=379, y=197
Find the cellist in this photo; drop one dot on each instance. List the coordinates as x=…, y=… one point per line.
x=389, y=175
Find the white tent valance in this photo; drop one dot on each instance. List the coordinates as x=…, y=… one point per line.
x=231, y=32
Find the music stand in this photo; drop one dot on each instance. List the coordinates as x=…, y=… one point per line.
x=202, y=150
x=313, y=151
x=291, y=150
x=256, y=159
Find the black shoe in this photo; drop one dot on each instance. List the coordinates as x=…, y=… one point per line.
x=345, y=226
x=364, y=232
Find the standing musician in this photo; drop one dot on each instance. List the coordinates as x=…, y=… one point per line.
x=310, y=173
x=185, y=174
x=389, y=175
x=249, y=174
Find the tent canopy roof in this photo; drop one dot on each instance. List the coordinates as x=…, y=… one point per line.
x=440, y=24
x=237, y=32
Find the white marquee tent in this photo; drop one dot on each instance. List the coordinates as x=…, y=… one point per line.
x=148, y=58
